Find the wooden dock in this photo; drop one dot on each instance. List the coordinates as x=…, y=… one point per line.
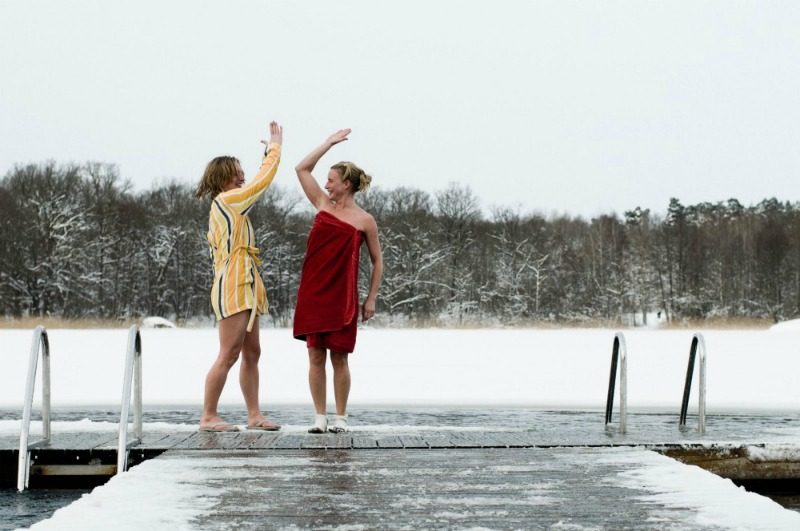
x=72, y=458
x=88, y=459
x=442, y=479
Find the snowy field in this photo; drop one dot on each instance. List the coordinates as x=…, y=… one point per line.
x=568, y=368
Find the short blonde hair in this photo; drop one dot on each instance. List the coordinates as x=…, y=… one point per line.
x=359, y=180
x=219, y=172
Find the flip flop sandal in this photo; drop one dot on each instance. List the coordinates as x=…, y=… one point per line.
x=219, y=427
x=264, y=425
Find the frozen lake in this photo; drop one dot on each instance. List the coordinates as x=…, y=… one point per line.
x=567, y=368
x=550, y=382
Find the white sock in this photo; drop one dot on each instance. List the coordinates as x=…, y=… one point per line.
x=339, y=423
x=320, y=424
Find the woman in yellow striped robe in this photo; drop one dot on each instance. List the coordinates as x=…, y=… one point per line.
x=238, y=295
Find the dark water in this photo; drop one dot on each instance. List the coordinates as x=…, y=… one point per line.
x=26, y=508
x=23, y=509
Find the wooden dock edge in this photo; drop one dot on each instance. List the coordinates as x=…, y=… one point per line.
x=65, y=468
x=735, y=463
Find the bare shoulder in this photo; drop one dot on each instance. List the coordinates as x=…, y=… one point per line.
x=366, y=221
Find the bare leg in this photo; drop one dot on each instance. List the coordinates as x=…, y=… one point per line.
x=232, y=332
x=316, y=378
x=341, y=381
x=248, y=375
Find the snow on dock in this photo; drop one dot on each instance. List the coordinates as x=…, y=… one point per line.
x=489, y=488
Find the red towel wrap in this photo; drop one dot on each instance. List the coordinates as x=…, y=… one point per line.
x=327, y=299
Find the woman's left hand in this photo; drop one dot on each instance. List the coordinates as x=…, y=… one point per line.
x=275, y=134
x=367, y=309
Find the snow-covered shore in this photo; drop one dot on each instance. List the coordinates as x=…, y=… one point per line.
x=567, y=368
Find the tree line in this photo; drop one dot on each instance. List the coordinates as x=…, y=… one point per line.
x=78, y=242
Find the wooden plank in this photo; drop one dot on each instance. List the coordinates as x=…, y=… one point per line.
x=266, y=440
x=317, y=440
x=290, y=441
x=190, y=441
x=413, y=441
x=167, y=441
x=364, y=441
x=79, y=441
x=327, y=440
x=341, y=440
x=73, y=470
x=389, y=441
x=464, y=439
x=435, y=440
x=527, y=439
x=493, y=440
x=146, y=440
x=210, y=441
x=248, y=438
x=234, y=441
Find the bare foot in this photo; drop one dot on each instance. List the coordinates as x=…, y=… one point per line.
x=261, y=423
x=216, y=423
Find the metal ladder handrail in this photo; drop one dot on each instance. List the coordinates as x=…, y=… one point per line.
x=618, y=352
x=41, y=344
x=698, y=344
x=133, y=371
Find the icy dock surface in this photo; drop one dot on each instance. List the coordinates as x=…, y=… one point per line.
x=535, y=488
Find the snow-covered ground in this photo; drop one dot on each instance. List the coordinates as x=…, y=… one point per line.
x=569, y=368
x=786, y=326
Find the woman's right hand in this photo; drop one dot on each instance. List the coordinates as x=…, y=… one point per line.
x=338, y=136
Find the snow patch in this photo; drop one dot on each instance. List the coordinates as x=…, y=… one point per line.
x=773, y=452
x=711, y=500
x=786, y=326
x=157, y=322
x=172, y=497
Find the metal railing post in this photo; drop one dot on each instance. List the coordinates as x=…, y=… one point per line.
x=40, y=344
x=137, y=389
x=618, y=357
x=698, y=346
x=133, y=372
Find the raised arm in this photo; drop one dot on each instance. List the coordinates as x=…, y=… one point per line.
x=241, y=199
x=304, y=168
x=376, y=257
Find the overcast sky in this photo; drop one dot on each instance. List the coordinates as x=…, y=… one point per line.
x=577, y=107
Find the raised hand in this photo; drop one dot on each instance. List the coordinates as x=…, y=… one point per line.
x=338, y=136
x=275, y=134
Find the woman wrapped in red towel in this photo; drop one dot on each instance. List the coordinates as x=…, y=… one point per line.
x=326, y=314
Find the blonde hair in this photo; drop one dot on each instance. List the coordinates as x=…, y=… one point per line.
x=359, y=180
x=218, y=173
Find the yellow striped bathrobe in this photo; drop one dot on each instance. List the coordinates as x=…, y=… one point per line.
x=237, y=283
